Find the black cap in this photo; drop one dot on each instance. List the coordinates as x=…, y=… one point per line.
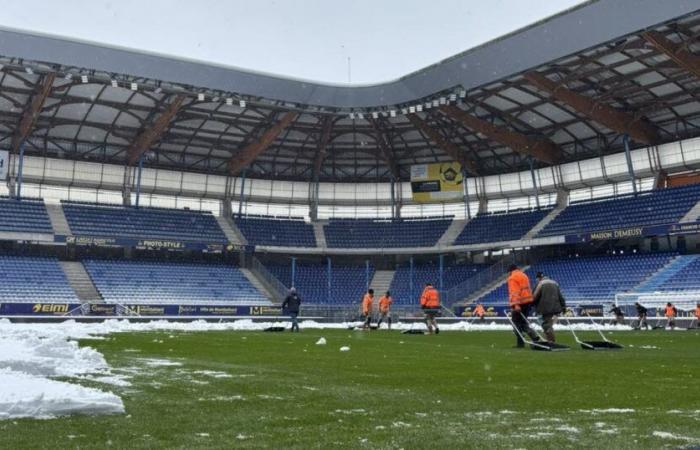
x=512, y=267
x=371, y=291
x=539, y=275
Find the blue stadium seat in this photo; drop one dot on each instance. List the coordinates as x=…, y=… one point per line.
x=171, y=283
x=385, y=233
x=143, y=223
x=278, y=232
x=29, y=279
x=499, y=227
x=452, y=276
x=24, y=216
x=348, y=284
x=658, y=207
x=594, y=279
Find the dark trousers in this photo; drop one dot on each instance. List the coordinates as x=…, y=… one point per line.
x=522, y=325
x=295, y=322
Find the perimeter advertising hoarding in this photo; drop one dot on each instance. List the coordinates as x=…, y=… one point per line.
x=437, y=182
x=111, y=309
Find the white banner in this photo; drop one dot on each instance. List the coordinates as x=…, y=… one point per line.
x=4, y=164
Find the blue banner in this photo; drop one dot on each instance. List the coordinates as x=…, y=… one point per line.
x=150, y=244
x=491, y=311
x=110, y=309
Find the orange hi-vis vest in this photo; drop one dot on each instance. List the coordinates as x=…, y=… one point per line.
x=430, y=298
x=384, y=303
x=367, y=303
x=697, y=312
x=519, y=292
x=479, y=310
x=670, y=311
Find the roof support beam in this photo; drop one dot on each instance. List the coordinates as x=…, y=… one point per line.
x=153, y=133
x=251, y=151
x=327, y=124
x=676, y=52
x=386, y=153
x=452, y=150
x=31, y=114
x=540, y=149
x=606, y=115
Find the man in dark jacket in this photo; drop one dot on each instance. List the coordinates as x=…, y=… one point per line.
x=642, y=316
x=619, y=316
x=291, y=305
x=549, y=302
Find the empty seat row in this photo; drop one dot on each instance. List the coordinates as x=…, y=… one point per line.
x=26, y=216
x=34, y=280
x=385, y=233
x=499, y=227
x=280, y=232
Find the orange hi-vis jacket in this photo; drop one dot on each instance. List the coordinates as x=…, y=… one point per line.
x=697, y=312
x=670, y=311
x=385, y=303
x=479, y=310
x=519, y=292
x=430, y=298
x=367, y=304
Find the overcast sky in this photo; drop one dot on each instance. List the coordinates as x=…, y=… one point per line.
x=308, y=39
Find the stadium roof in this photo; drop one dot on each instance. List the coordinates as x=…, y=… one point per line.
x=561, y=90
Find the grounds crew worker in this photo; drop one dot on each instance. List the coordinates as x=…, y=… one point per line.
x=642, y=316
x=367, y=302
x=384, y=306
x=291, y=306
x=670, y=312
x=549, y=302
x=479, y=312
x=619, y=316
x=697, y=314
x=520, y=300
x=430, y=302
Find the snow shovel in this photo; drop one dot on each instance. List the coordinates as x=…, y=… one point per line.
x=543, y=345
x=605, y=344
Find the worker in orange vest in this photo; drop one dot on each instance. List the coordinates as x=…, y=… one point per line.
x=697, y=315
x=430, y=303
x=384, y=306
x=367, y=302
x=479, y=312
x=520, y=301
x=670, y=312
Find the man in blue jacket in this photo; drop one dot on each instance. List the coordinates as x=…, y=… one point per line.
x=291, y=305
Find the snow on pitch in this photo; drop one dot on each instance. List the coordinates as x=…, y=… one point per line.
x=32, y=354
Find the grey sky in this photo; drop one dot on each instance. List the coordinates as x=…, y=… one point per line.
x=309, y=39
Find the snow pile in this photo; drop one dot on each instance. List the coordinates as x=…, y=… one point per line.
x=321, y=341
x=345, y=348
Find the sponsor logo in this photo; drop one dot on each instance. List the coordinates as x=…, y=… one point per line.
x=152, y=243
x=218, y=310
x=103, y=310
x=617, y=234
x=89, y=240
x=51, y=308
x=147, y=310
x=265, y=311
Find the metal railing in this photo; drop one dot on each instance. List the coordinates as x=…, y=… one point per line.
x=480, y=280
x=277, y=288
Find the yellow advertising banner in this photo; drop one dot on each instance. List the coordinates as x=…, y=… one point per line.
x=437, y=182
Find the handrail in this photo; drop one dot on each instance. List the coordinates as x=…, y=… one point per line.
x=279, y=290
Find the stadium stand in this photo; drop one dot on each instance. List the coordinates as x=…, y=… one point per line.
x=31, y=279
x=348, y=284
x=499, y=227
x=452, y=276
x=593, y=279
x=25, y=216
x=680, y=275
x=142, y=223
x=383, y=233
x=171, y=283
x=650, y=208
x=278, y=232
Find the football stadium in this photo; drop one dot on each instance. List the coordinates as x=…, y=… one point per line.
x=500, y=250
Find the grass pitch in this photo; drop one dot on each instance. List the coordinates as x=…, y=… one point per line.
x=454, y=390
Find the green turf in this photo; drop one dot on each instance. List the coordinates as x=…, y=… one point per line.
x=453, y=390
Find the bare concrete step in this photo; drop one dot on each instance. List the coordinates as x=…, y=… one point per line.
x=319, y=233
x=259, y=285
x=381, y=282
x=544, y=222
x=693, y=214
x=231, y=231
x=80, y=281
x=452, y=232
x=58, y=219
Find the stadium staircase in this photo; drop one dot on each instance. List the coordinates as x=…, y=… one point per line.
x=674, y=266
x=490, y=287
x=454, y=230
x=693, y=214
x=81, y=282
x=319, y=233
x=381, y=281
x=58, y=219
x=544, y=222
x=232, y=233
x=259, y=285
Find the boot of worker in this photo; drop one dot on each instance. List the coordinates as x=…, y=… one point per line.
x=388, y=321
x=549, y=334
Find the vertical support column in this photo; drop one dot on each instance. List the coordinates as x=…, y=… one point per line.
x=441, y=272
x=313, y=199
x=465, y=186
x=410, y=277
x=628, y=157
x=483, y=205
x=240, y=198
x=128, y=183
x=226, y=208
x=294, y=271
x=367, y=280
x=534, y=182
x=138, y=181
x=393, y=199
x=19, y=171
x=329, y=276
